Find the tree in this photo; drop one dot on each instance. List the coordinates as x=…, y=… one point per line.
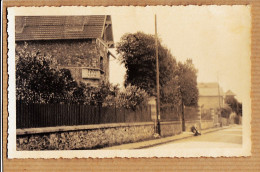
x=137, y=53
x=178, y=81
x=187, y=77
x=234, y=104
x=225, y=111
x=132, y=97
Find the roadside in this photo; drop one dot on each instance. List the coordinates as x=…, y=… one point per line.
x=156, y=142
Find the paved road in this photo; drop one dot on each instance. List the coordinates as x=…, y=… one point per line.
x=226, y=138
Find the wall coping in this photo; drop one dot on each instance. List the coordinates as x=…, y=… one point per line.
x=170, y=122
x=77, y=127
x=201, y=121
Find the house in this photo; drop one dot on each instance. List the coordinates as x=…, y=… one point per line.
x=78, y=43
x=229, y=93
x=211, y=96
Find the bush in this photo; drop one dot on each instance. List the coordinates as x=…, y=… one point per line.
x=226, y=111
x=132, y=97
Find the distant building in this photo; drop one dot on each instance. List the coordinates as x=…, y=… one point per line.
x=211, y=95
x=78, y=43
x=229, y=93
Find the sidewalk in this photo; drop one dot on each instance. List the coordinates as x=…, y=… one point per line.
x=155, y=142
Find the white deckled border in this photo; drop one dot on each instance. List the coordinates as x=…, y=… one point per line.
x=12, y=153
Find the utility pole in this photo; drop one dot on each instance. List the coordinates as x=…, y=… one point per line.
x=157, y=81
x=219, y=101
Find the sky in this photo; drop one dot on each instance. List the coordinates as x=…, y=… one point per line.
x=216, y=38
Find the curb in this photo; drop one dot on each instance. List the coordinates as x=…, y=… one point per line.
x=156, y=144
x=168, y=141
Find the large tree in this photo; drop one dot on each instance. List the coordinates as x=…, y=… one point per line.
x=187, y=80
x=187, y=77
x=137, y=53
x=178, y=81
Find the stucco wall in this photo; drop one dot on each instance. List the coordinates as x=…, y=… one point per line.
x=72, y=54
x=189, y=124
x=170, y=128
x=224, y=121
x=205, y=124
x=210, y=102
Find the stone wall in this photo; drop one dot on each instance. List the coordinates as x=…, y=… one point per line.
x=73, y=54
x=170, y=128
x=83, y=137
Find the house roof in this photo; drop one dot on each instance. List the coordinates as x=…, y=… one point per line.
x=210, y=89
x=230, y=93
x=61, y=27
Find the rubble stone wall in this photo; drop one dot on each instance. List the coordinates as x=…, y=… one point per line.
x=87, y=138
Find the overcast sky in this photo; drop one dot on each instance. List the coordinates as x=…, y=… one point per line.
x=216, y=38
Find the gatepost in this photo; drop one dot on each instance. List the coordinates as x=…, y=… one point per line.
x=152, y=103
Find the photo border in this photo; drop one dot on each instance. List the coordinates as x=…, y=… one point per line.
x=155, y=163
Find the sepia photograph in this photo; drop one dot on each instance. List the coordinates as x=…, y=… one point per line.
x=155, y=81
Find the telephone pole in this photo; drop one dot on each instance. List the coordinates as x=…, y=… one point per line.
x=157, y=82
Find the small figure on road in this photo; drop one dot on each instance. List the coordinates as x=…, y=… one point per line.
x=195, y=131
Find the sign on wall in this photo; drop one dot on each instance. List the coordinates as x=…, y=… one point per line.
x=90, y=73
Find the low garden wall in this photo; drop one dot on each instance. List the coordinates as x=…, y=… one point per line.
x=205, y=124
x=83, y=137
x=189, y=124
x=170, y=128
x=90, y=136
x=224, y=121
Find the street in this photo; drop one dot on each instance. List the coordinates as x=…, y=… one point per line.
x=226, y=138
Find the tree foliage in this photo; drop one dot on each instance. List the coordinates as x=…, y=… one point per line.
x=234, y=104
x=226, y=111
x=38, y=80
x=137, y=53
x=178, y=81
x=187, y=76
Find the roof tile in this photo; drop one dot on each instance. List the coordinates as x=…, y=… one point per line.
x=58, y=27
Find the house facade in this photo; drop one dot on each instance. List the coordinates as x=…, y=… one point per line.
x=78, y=43
x=211, y=96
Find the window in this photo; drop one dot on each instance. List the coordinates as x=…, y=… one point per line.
x=101, y=63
